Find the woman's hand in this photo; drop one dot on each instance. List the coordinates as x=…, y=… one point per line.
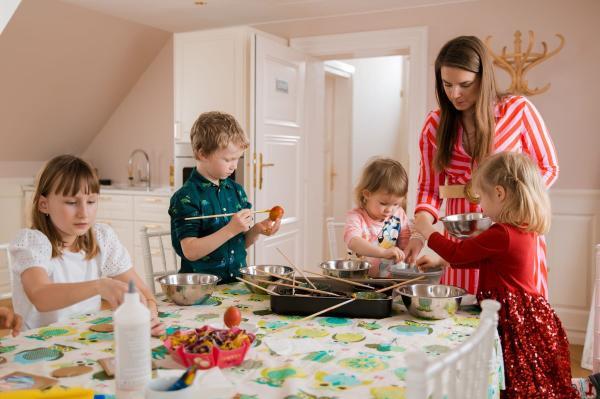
x=412, y=250
x=394, y=253
x=11, y=320
x=112, y=291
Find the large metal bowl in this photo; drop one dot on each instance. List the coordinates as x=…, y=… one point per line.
x=431, y=301
x=188, y=288
x=406, y=271
x=464, y=225
x=357, y=269
x=252, y=273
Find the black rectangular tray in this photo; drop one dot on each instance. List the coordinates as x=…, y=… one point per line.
x=287, y=304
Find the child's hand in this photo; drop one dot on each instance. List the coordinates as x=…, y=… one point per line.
x=424, y=263
x=157, y=328
x=10, y=320
x=413, y=248
x=393, y=253
x=268, y=227
x=112, y=291
x=240, y=222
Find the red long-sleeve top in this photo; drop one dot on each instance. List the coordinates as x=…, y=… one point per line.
x=504, y=255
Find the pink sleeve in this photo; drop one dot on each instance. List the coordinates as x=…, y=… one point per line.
x=354, y=226
x=428, y=194
x=406, y=229
x=539, y=143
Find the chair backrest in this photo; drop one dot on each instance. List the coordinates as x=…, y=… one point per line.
x=333, y=229
x=5, y=269
x=159, y=256
x=461, y=373
x=596, y=336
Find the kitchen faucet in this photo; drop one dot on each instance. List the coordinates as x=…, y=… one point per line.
x=130, y=168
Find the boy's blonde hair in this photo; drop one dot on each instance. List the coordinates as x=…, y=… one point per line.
x=527, y=203
x=64, y=175
x=215, y=130
x=382, y=174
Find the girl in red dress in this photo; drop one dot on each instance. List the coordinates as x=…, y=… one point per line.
x=534, y=344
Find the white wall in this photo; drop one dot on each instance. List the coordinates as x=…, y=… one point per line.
x=378, y=127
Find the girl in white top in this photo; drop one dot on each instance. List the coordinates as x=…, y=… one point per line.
x=66, y=262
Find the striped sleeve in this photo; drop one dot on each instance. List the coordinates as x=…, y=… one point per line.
x=539, y=144
x=428, y=197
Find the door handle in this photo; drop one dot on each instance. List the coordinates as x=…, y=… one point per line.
x=262, y=165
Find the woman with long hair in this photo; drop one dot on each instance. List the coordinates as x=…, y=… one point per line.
x=474, y=121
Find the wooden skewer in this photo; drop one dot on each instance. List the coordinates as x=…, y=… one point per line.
x=341, y=279
x=257, y=286
x=401, y=284
x=298, y=287
x=279, y=277
x=320, y=312
x=222, y=215
x=296, y=268
x=312, y=316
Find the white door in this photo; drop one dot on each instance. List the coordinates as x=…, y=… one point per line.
x=279, y=147
x=338, y=158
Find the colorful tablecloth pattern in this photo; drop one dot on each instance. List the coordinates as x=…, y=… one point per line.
x=327, y=357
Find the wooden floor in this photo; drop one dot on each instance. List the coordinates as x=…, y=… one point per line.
x=576, y=350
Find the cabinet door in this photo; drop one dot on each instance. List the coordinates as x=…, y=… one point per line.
x=210, y=74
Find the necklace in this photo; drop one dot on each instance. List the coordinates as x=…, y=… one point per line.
x=467, y=141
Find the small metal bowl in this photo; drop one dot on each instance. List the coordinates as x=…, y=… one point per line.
x=405, y=271
x=252, y=273
x=431, y=301
x=466, y=225
x=188, y=288
x=358, y=269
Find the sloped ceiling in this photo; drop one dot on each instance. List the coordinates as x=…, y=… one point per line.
x=63, y=71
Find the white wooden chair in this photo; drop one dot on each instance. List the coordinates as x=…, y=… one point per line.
x=5, y=283
x=462, y=373
x=333, y=229
x=159, y=256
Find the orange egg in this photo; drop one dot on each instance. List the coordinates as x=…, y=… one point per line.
x=276, y=213
x=232, y=317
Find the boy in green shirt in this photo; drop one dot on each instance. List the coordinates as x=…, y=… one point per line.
x=215, y=245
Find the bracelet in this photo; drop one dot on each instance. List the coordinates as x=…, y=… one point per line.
x=418, y=236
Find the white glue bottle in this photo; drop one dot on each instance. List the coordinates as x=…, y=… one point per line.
x=132, y=341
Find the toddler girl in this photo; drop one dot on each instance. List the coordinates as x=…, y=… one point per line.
x=66, y=262
x=379, y=228
x=534, y=344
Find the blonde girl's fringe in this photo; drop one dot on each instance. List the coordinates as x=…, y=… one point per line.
x=527, y=203
x=382, y=174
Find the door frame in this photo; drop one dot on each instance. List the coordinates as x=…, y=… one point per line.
x=412, y=41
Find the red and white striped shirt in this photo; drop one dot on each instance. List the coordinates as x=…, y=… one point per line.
x=519, y=127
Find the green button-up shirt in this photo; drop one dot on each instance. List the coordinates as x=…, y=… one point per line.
x=198, y=197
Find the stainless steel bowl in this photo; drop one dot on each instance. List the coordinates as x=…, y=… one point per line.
x=431, y=301
x=466, y=225
x=188, y=288
x=406, y=271
x=252, y=273
x=346, y=268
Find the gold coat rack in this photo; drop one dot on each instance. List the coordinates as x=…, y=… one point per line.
x=518, y=63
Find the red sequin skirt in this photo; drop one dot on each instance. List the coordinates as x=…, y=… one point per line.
x=535, y=347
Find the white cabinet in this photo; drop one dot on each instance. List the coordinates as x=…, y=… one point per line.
x=211, y=74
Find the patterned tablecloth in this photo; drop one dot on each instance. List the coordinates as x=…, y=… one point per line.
x=327, y=357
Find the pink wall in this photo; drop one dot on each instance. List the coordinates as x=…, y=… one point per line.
x=144, y=119
x=572, y=99
x=63, y=72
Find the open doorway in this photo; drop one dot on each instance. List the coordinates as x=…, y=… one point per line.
x=365, y=116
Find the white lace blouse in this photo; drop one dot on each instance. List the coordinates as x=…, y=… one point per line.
x=32, y=248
